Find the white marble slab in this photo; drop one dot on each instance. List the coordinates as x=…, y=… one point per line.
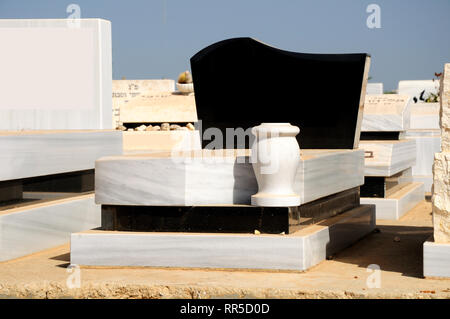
x=424, y=116
x=399, y=203
x=298, y=251
x=36, y=227
x=35, y=153
x=215, y=178
x=413, y=88
x=386, y=113
x=436, y=259
x=374, y=88
x=55, y=74
x=388, y=157
x=428, y=142
x=158, y=107
x=426, y=147
x=322, y=174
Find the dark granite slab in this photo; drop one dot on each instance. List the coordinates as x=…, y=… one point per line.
x=242, y=82
x=227, y=219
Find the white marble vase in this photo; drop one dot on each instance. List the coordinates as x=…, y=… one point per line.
x=275, y=159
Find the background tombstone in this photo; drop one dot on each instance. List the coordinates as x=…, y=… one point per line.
x=374, y=88
x=125, y=90
x=55, y=75
x=242, y=82
x=386, y=112
x=415, y=88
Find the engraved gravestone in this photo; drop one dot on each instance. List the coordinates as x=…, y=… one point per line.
x=386, y=113
x=241, y=82
x=126, y=90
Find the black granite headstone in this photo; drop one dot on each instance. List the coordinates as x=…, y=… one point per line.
x=242, y=82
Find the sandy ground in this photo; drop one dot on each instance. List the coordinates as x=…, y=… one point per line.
x=45, y=275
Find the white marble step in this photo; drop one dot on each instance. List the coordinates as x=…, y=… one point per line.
x=298, y=251
x=399, y=203
x=215, y=177
x=34, y=227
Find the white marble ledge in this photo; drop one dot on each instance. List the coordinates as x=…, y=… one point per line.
x=386, y=113
x=216, y=177
x=45, y=152
x=412, y=133
x=39, y=226
x=386, y=158
x=398, y=203
x=298, y=251
x=436, y=259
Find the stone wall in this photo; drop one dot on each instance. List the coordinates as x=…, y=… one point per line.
x=441, y=167
x=445, y=108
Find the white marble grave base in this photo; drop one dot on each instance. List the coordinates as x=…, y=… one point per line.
x=389, y=157
x=298, y=251
x=35, y=227
x=398, y=203
x=216, y=177
x=436, y=259
x=35, y=153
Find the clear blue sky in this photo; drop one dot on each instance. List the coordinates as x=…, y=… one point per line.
x=156, y=38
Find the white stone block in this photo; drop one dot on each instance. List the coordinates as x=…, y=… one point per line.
x=424, y=116
x=125, y=90
x=55, y=74
x=386, y=158
x=386, y=113
x=35, y=227
x=398, y=203
x=158, y=107
x=35, y=153
x=427, y=144
x=374, y=88
x=216, y=177
x=436, y=259
x=441, y=197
